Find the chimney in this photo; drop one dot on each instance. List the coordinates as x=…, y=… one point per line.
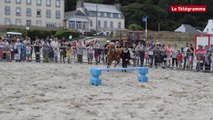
x=80, y=4
x=118, y=6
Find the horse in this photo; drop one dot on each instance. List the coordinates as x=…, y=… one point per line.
x=113, y=54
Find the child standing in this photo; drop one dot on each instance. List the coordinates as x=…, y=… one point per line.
x=125, y=56
x=179, y=59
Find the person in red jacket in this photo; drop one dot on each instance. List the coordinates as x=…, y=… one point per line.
x=179, y=59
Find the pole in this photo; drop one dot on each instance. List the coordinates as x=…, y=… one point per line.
x=158, y=26
x=146, y=29
x=96, y=19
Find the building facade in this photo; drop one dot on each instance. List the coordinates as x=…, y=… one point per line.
x=40, y=13
x=98, y=17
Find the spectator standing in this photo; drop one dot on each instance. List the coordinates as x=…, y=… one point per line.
x=190, y=54
x=140, y=48
x=37, y=50
x=80, y=51
x=125, y=56
x=135, y=55
x=156, y=52
x=146, y=56
x=151, y=54
x=179, y=59
x=163, y=56
x=68, y=53
x=90, y=52
x=28, y=52
x=211, y=57
x=17, y=51
x=97, y=49
x=1, y=48
x=55, y=46
x=200, y=53
x=169, y=54
x=62, y=52
x=174, y=55
x=185, y=55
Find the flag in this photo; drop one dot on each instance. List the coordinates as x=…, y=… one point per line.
x=144, y=19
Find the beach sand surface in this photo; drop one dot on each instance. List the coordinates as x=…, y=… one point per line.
x=37, y=91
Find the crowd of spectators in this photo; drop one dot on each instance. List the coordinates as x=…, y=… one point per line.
x=153, y=54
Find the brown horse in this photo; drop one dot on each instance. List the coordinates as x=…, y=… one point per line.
x=113, y=55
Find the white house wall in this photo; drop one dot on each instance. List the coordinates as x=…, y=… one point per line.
x=33, y=18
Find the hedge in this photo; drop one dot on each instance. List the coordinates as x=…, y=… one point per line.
x=66, y=34
x=35, y=33
x=39, y=34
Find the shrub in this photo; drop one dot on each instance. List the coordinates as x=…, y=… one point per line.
x=60, y=34
x=39, y=34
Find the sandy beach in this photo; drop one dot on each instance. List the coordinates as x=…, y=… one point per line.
x=37, y=91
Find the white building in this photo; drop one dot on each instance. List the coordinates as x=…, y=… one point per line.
x=40, y=13
x=209, y=27
x=100, y=17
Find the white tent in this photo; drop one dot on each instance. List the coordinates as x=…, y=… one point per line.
x=209, y=27
x=187, y=28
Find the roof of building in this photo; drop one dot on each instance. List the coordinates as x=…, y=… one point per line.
x=101, y=8
x=73, y=13
x=209, y=27
x=187, y=28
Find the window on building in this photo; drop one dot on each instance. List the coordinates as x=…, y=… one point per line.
x=115, y=15
x=207, y=29
x=28, y=22
x=72, y=25
x=18, y=22
x=111, y=24
x=48, y=3
x=105, y=24
x=7, y=1
x=99, y=24
x=38, y=13
x=108, y=15
x=28, y=12
x=84, y=25
x=18, y=11
x=119, y=25
x=91, y=23
x=50, y=25
x=102, y=14
x=7, y=21
x=48, y=13
x=28, y=2
x=7, y=10
x=57, y=3
x=79, y=25
x=57, y=14
x=38, y=2
x=18, y=1
x=39, y=23
x=92, y=13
